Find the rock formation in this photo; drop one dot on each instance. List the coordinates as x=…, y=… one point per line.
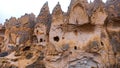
x=86, y=36
x=2, y=31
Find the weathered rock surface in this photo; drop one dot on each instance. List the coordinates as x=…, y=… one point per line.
x=86, y=36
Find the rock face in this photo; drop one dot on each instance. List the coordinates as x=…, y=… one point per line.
x=2, y=33
x=86, y=36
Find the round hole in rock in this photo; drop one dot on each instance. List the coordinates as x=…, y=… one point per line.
x=75, y=47
x=41, y=40
x=102, y=43
x=56, y=38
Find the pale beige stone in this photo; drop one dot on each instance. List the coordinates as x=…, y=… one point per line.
x=86, y=36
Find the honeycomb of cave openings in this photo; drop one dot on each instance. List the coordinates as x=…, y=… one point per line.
x=86, y=36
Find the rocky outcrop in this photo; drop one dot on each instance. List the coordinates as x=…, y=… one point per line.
x=2, y=33
x=19, y=31
x=86, y=36
x=77, y=12
x=42, y=27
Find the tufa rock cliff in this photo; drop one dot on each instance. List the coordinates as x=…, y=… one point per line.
x=86, y=36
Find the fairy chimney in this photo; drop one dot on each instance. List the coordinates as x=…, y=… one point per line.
x=77, y=12
x=99, y=14
x=42, y=26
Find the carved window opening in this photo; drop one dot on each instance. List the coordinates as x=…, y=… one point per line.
x=56, y=38
x=102, y=43
x=75, y=47
x=41, y=40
